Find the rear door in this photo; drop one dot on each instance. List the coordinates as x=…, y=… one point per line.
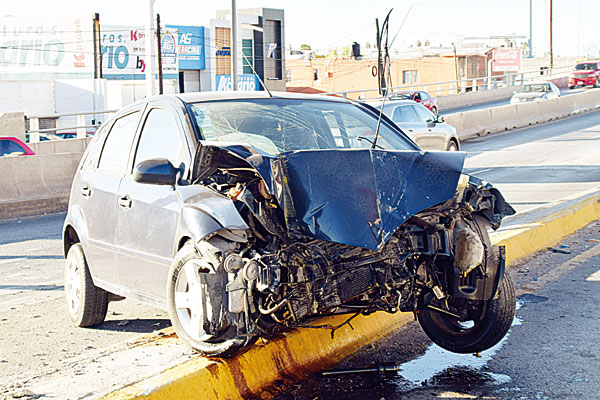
x=148, y=214
x=434, y=135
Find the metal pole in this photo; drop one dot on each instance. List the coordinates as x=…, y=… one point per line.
x=149, y=43
x=234, y=72
x=551, y=55
x=530, y=28
x=158, y=45
x=455, y=65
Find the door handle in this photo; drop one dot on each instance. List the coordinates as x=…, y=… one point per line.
x=125, y=202
x=85, y=191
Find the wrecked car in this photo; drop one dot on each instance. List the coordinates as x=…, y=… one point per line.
x=245, y=213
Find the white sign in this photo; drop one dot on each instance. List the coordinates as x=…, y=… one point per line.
x=37, y=47
x=124, y=52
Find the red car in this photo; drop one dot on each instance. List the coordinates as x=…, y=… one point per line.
x=419, y=96
x=586, y=73
x=12, y=146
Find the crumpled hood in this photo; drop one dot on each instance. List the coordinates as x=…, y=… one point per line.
x=361, y=197
x=357, y=197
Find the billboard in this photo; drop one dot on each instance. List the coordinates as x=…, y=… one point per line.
x=190, y=47
x=245, y=82
x=507, y=60
x=46, y=48
x=124, y=52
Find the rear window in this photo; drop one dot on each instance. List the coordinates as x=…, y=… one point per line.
x=10, y=148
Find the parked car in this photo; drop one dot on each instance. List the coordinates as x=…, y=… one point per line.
x=427, y=130
x=12, y=146
x=245, y=212
x=422, y=97
x=586, y=73
x=535, y=91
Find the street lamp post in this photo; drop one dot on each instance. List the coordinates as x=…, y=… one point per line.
x=149, y=43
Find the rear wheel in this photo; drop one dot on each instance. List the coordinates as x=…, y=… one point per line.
x=87, y=304
x=434, y=110
x=197, y=302
x=452, y=146
x=596, y=83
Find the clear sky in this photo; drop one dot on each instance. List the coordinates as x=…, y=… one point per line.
x=329, y=23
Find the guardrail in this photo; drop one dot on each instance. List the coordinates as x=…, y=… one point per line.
x=80, y=127
x=465, y=85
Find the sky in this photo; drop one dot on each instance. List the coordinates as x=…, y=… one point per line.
x=337, y=23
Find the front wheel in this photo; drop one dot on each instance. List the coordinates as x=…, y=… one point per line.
x=197, y=301
x=596, y=83
x=491, y=321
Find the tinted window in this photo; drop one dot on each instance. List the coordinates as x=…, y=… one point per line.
x=8, y=147
x=91, y=154
x=405, y=114
x=160, y=138
x=118, y=144
x=424, y=114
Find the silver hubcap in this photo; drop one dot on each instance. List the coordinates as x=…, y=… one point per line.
x=73, y=288
x=191, y=301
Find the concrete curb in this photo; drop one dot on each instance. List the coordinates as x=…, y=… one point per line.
x=256, y=372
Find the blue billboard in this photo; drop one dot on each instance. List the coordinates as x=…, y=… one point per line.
x=245, y=82
x=190, y=47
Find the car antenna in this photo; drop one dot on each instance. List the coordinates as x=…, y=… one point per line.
x=255, y=74
x=381, y=71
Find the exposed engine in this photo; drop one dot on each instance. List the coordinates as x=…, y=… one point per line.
x=278, y=275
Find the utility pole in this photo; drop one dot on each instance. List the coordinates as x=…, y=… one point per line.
x=456, y=68
x=158, y=46
x=530, y=29
x=149, y=43
x=551, y=55
x=234, y=72
x=97, y=47
x=380, y=79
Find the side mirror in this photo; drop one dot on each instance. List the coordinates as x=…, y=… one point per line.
x=439, y=119
x=158, y=171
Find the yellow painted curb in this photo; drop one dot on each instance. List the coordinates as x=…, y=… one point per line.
x=251, y=373
x=254, y=373
x=527, y=239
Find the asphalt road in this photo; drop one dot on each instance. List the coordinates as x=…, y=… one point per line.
x=40, y=351
x=503, y=102
x=551, y=351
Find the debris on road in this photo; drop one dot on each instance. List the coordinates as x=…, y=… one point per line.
x=555, y=250
x=381, y=368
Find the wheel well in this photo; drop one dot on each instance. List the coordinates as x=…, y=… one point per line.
x=456, y=143
x=183, y=241
x=70, y=238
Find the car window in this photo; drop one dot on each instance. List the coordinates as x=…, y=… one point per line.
x=90, y=157
x=424, y=96
x=10, y=148
x=277, y=125
x=160, y=138
x=418, y=96
x=424, y=114
x=117, y=146
x=404, y=114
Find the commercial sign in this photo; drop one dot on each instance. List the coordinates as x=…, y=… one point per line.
x=42, y=48
x=506, y=60
x=190, y=47
x=245, y=82
x=124, y=53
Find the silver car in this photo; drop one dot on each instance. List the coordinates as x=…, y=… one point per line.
x=427, y=130
x=535, y=91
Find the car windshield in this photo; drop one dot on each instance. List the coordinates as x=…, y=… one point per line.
x=278, y=125
x=541, y=87
x=586, y=66
x=400, y=96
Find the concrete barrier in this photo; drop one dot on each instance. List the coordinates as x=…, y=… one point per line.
x=33, y=185
x=472, y=98
x=60, y=146
x=475, y=123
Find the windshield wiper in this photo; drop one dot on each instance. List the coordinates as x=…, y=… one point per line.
x=361, y=138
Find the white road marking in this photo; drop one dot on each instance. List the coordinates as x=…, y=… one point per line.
x=595, y=277
x=12, y=260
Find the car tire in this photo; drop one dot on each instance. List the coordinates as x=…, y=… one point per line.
x=596, y=83
x=86, y=303
x=452, y=146
x=192, y=294
x=495, y=315
x=571, y=87
x=434, y=110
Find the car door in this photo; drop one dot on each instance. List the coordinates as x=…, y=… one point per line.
x=434, y=135
x=148, y=214
x=406, y=118
x=96, y=190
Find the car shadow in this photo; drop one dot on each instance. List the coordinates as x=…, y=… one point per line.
x=134, y=325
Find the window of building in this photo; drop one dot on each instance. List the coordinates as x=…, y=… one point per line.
x=409, y=77
x=115, y=152
x=247, y=58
